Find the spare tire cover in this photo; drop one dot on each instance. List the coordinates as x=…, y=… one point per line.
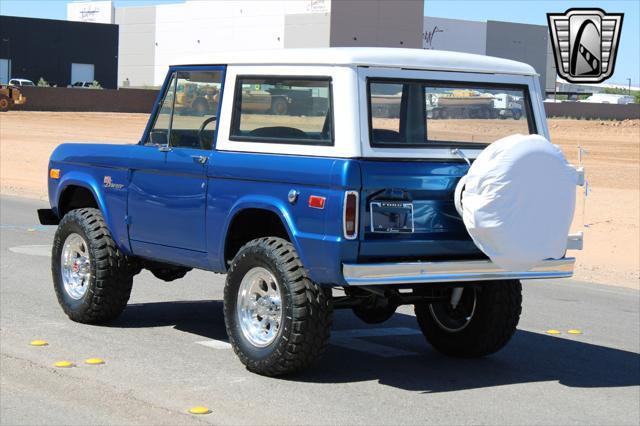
x=518, y=201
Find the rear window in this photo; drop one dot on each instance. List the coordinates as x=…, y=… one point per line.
x=425, y=113
x=283, y=110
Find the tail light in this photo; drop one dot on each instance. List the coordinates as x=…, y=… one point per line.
x=350, y=219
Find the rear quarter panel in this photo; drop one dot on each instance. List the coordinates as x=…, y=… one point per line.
x=239, y=181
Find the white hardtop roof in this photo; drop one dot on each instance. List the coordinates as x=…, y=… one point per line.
x=437, y=60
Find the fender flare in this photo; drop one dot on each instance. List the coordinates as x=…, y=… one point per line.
x=83, y=180
x=262, y=202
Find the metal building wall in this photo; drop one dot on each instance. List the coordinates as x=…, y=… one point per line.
x=455, y=35
x=46, y=48
x=520, y=42
x=137, y=47
x=377, y=23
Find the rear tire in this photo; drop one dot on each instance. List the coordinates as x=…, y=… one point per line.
x=94, y=283
x=278, y=322
x=517, y=114
x=481, y=325
x=279, y=106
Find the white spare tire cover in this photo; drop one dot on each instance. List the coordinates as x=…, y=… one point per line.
x=518, y=200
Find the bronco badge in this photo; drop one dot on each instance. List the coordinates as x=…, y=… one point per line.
x=585, y=43
x=109, y=184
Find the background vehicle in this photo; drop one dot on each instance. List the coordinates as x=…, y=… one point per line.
x=81, y=84
x=609, y=98
x=351, y=207
x=18, y=82
x=10, y=96
x=470, y=104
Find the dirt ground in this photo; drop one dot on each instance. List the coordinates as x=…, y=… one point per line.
x=610, y=218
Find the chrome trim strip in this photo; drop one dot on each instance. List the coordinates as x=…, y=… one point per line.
x=452, y=271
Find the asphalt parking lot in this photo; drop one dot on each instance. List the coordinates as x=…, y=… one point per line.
x=168, y=353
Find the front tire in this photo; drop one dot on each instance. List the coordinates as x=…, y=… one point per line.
x=277, y=319
x=5, y=103
x=482, y=323
x=92, y=278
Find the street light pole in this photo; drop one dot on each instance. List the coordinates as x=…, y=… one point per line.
x=629, y=85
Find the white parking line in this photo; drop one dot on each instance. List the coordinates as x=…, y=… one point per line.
x=351, y=339
x=215, y=344
x=33, y=250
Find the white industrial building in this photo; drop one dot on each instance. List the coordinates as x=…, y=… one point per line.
x=154, y=37
x=520, y=42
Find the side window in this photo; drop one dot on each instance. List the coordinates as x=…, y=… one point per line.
x=386, y=100
x=416, y=113
x=187, y=117
x=283, y=110
x=159, y=134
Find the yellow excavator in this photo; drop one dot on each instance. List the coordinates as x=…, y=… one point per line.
x=10, y=96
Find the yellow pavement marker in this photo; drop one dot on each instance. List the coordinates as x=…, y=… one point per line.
x=63, y=364
x=94, y=361
x=552, y=331
x=199, y=410
x=574, y=331
x=31, y=230
x=38, y=343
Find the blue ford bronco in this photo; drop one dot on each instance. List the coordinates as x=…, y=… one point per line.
x=315, y=179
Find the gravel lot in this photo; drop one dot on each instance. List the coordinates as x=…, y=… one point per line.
x=612, y=236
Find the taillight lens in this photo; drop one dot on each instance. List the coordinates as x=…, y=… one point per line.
x=350, y=215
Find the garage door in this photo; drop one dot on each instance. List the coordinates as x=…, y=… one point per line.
x=4, y=71
x=82, y=72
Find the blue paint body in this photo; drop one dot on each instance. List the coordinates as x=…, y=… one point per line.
x=173, y=209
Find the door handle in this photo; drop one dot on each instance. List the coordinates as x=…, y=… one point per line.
x=200, y=159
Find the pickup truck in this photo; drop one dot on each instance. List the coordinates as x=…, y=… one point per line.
x=342, y=208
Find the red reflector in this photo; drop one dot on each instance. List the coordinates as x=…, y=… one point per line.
x=351, y=214
x=316, y=202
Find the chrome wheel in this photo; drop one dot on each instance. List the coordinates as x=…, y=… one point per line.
x=75, y=266
x=259, y=307
x=455, y=317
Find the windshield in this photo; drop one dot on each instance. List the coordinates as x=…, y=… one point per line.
x=426, y=113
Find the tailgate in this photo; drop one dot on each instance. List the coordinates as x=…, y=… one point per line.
x=408, y=212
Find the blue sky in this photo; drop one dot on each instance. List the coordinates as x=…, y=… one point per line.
x=526, y=11
x=535, y=12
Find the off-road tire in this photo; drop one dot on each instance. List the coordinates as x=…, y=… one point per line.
x=279, y=106
x=307, y=310
x=498, y=308
x=517, y=114
x=200, y=106
x=111, y=272
x=5, y=103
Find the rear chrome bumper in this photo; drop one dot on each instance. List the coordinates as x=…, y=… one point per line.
x=453, y=271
